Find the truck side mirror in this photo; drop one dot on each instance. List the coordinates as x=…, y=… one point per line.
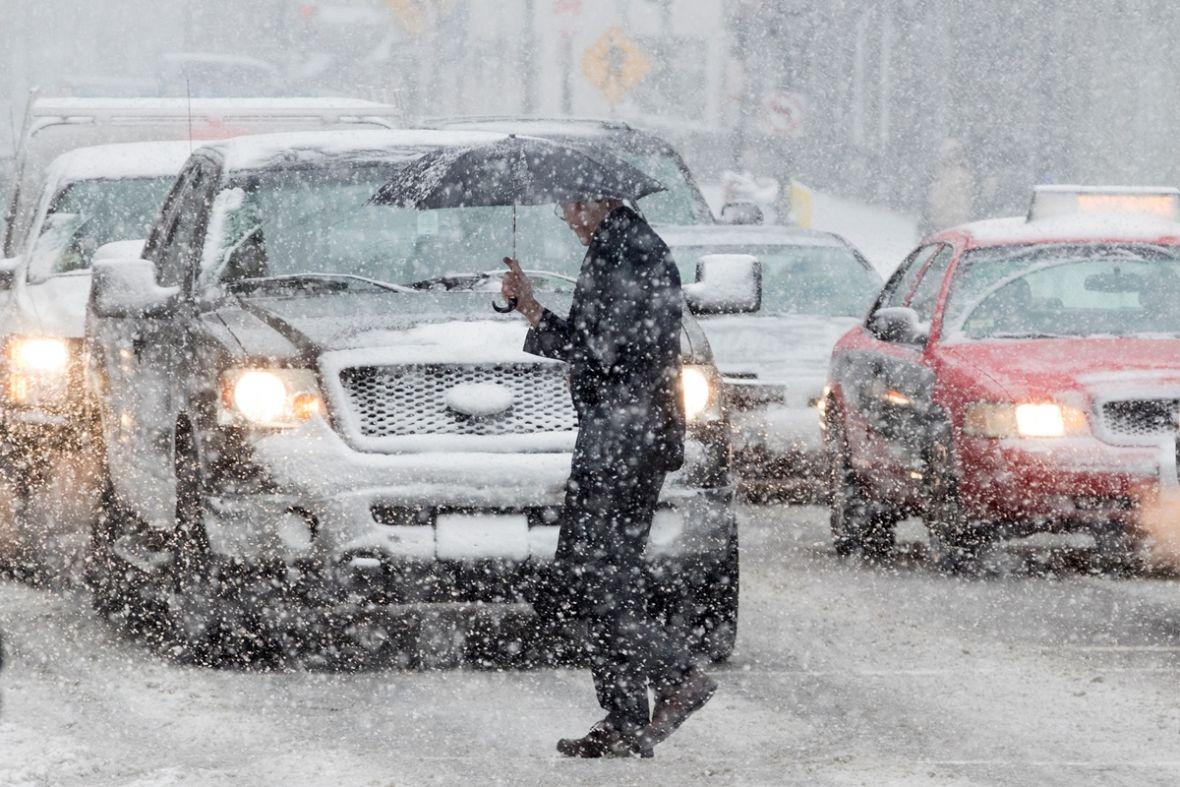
x=726, y=284
x=899, y=325
x=8, y=268
x=743, y=212
x=126, y=287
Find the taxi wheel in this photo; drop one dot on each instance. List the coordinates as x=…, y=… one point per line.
x=858, y=522
x=954, y=546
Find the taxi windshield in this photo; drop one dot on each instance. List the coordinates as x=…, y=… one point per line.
x=89, y=213
x=827, y=281
x=1066, y=290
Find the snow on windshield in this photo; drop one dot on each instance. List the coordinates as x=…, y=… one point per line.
x=318, y=219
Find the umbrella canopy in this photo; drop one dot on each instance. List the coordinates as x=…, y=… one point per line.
x=513, y=171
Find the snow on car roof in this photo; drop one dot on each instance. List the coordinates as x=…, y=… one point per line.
x=260, y=151
x=49, y=107
x=538, y=126
x=1085, y=228
x=125, y=160
x=746, y=235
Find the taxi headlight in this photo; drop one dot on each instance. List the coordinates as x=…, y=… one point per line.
x=273, y=398
x=1027, y=419
x=698, y=385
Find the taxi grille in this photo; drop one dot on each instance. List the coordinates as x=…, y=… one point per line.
x=1138, y=421
x=394, y=401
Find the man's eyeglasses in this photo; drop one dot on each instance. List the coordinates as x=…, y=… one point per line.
x=559, y=211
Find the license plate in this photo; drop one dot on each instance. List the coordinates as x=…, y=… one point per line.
x=482, y=536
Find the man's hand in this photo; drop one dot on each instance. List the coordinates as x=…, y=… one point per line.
x=515, y=284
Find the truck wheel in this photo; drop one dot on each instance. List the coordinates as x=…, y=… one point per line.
x=954, y=544
x=714, y=632
x=218, y=617
x=127, y=593
x=858, y=522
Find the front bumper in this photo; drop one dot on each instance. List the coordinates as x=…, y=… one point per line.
x=778, y=446
x=439, y=513
x=1056, y=484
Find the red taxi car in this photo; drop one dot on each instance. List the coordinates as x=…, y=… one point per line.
x=1014, y=376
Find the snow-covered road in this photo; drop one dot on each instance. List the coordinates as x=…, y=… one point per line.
x=845, y=674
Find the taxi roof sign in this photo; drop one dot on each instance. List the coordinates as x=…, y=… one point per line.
x=1056, y=201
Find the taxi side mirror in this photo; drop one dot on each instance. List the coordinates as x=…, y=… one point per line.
x=726, y=284
x=898, y=325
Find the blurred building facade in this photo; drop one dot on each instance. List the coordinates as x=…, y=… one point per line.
x=857, y=96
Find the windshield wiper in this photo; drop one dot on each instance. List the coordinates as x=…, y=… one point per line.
x=304, y=279
x=1029, y=335
x=450, y=281
x=458, y=281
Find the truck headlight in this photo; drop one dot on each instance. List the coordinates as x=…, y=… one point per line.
x=1027, y=419
x=272, y=398
x=38, y=369
x=698, y=386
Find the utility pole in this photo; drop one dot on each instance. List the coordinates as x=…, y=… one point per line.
x=529, y=55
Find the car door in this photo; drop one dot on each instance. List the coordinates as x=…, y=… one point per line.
x=886, y=385
x=143, y=356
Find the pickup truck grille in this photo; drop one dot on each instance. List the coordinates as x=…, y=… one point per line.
x=1138, y=421
x=395, y=401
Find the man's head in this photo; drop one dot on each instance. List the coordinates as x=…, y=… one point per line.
x=583, y=217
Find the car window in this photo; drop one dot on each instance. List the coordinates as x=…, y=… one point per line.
x=165, y=219
x=678, y=203
x=185, y=228
x=925, y=294
x=901, y=283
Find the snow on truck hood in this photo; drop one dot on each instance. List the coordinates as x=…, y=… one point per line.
x=406, y=329
x=778, y=349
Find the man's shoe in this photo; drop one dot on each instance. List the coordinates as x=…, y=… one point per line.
x=605, y=740
x=677, y=703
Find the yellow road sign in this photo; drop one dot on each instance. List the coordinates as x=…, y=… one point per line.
x=413, y=16
x=615, y=65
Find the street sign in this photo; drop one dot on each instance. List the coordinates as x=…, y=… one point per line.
x=615, y=64
x=414, y=15
x=783, y=113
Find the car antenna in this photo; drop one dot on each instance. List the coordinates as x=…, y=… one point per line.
x=188, y=94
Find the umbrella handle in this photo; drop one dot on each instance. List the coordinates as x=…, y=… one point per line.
x=505, y=309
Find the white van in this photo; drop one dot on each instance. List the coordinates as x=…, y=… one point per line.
x=56, y=125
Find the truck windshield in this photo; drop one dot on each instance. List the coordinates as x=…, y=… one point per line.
x=319, y=220
x=1065, y=290
x=89, y=213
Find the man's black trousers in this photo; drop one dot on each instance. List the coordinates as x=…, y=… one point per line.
x=599, y=576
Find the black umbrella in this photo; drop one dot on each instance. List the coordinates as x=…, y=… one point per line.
x=513, y=171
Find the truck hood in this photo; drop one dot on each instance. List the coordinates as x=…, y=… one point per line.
x=418, y=328
x=1093, y=368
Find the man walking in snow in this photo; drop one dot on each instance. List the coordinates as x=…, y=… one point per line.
x=622, y=343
